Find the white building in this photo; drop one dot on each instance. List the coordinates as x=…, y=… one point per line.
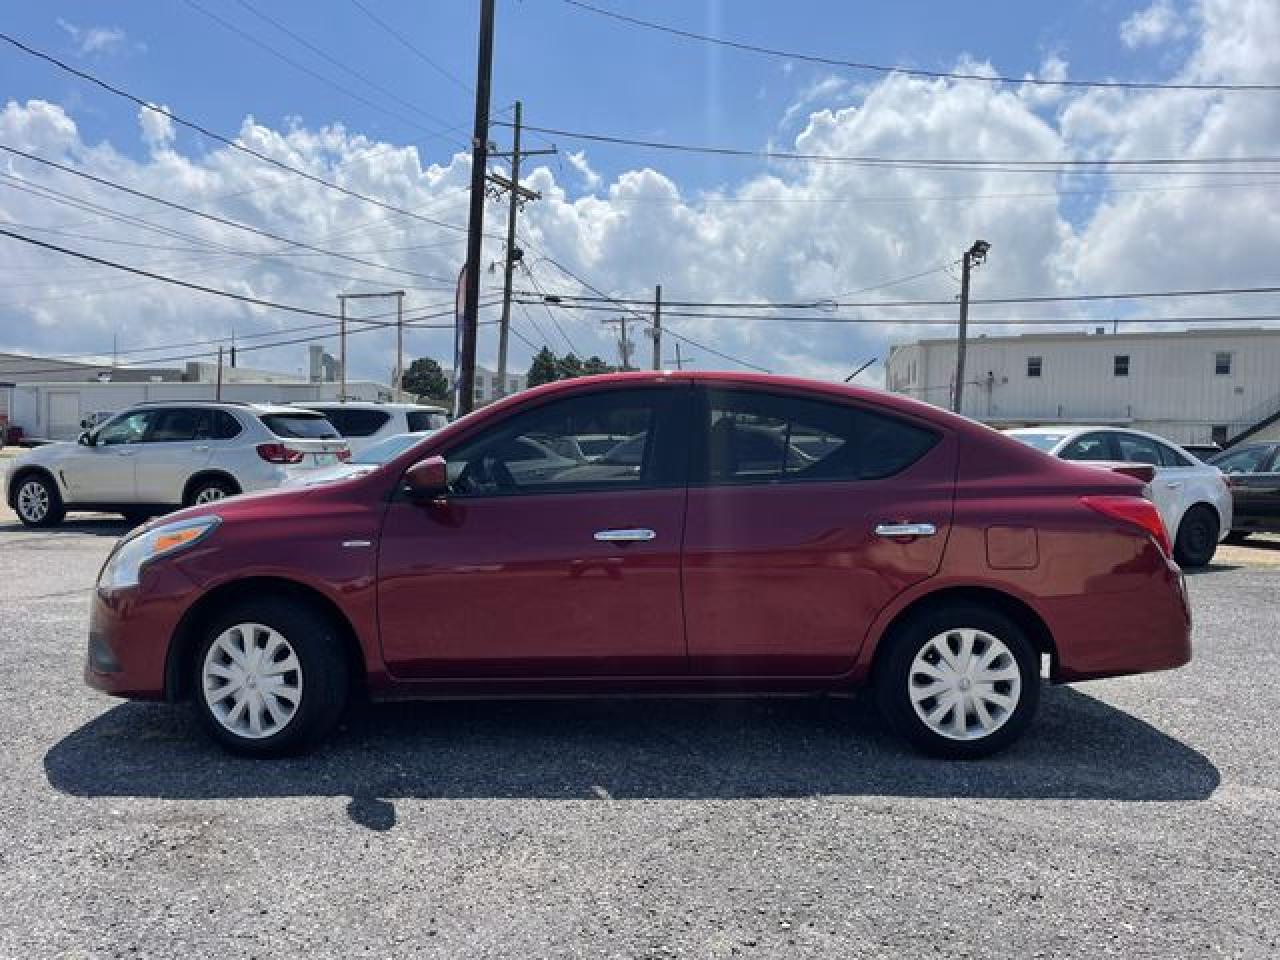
x=1195, y=386
x=487, y=388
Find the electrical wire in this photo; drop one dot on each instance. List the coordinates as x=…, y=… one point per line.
x=399, y=37
x=928, y=74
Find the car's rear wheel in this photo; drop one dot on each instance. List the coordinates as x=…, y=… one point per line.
x=1197, y=537
x=37, y=502
x=209, y=491
x=270, y=677
x=959, y=681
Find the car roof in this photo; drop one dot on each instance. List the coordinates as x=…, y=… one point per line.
x=1075, y=429
x=256, y=408
x=371, y=405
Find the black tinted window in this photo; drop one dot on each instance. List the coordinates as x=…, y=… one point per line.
x=354, y=422
x=225, y=426
x=758, y=437
x=300, y=426
x=420, y=420
x=178, y=425
x=1248, y=460
x=532, y=452
x=1090, y=446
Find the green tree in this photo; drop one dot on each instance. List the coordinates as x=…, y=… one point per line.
x=595, y=365
x=424, y=378
x=568, y=367
x=543, y=369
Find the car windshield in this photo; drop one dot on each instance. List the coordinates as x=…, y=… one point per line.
x=1041, y=441
x=301, y=426
x=388, y=449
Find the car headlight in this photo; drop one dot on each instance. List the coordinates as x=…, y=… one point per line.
x=124, y=567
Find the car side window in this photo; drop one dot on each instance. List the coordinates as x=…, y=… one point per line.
x=355, y=422
x=1090, y=446
x=531, y=452
x=1248, y=460
x=1136, y=449
x=127, y=428
x=225, y=426
x=178, y=425
x=419, y=420
x=755, y=437
x=1170, y=457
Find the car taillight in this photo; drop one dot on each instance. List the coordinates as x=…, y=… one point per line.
x=278, y=453
x=344, y=455
x=1141, y=513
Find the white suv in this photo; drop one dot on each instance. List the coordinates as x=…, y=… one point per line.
x=362, y=424
x=157, y=457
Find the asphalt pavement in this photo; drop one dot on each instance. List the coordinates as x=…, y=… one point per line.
x=1139, y=817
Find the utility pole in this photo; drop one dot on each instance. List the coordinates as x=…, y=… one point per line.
x=657, y=327
x=217, y=394
x=972, y=257
x=475, y=220
x=518, y=195
x=399, y=346
x=342, y=347
x=624, y=345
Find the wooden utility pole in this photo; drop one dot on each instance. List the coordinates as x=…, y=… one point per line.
x=657, y=327
x=624, y=345
x=217, y=393
x=973, y=256
x=342, y=347
x=475, y=221
x=399, y=346
x=518, y=195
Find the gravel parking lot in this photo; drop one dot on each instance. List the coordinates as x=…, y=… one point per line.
x=1139, y=818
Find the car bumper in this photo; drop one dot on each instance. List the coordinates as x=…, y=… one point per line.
x=129, y=637
x=1115, y=634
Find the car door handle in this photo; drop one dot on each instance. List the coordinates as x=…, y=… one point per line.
x=905, y=529
x=627, y=535
x=1173, y=484
x=125, y=453
x=201, y=448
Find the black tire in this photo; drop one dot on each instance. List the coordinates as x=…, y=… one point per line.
x=37, y=501
x=209, y=490
x=322, y=672
x=1197, y=537
x=1237, y=536
x=894, y=679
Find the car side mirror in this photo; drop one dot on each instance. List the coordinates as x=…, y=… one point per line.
x=427, y=479
x=86, y=439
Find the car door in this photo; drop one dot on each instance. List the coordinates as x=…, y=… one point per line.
x=104, y=471
x=1255, y=486
x=790, y=555
x=174, y=449
x=1267, y=493
x=525, y=573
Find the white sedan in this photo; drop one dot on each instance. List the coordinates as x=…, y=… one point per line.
x=1193, y=497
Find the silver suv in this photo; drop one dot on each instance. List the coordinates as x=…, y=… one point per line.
x=157, y=457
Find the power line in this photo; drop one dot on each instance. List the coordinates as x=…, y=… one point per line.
x=832, y=302
x=399, y=37
x=724, y=356
x=303, y=68
x=555, y=320
x=1136, y=167
x=928, y=74
x=233, y=144
x=224, y=221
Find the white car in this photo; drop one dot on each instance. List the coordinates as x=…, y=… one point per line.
x=1193, y=497
x=367, y=461
x=362, y=424
x=156, y=457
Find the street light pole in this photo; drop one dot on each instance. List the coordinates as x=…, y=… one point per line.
x=972, y=257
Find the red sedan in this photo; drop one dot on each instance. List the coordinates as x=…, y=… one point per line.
x=745, y=535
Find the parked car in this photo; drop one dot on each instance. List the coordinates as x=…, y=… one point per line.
x=1192, y=497
x=368, y=460
x=1253, y=474
x=154, y=458
x=946, y=565
x=362, y=424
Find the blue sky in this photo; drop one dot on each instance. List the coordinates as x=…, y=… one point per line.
x=573, y=69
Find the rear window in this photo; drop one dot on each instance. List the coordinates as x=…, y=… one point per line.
x=300, y=426
x=1041, y=441
x=355, y=422
x=420, y=420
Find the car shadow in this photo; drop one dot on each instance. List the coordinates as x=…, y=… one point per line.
x=1211, y=567
x=1079, y=747
x=111, y=526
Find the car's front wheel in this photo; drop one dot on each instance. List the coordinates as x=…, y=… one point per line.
x=270, y=677
x=209, y=491
x=1197, y=537
x=959, y=681
x=37, y=502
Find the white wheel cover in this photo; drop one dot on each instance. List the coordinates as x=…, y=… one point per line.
x=252, y=681
x=964, y=684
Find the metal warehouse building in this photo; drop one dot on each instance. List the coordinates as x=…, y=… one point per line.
x=1195, y=386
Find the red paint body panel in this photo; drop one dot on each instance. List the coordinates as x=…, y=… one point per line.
x=746, y=588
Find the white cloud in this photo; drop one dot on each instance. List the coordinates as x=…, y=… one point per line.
x=99, y=40
x=157, y=129
x=578, y=160
x=1053, y=69
x=1152, y=25
x=789, y=232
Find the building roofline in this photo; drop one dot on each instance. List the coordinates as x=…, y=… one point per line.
x=1080, y=336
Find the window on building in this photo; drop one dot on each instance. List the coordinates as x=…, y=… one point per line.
x=1222, y=364
x=1218, y=433
x=1034, y=366
x=1120, y=366
x=513, y=384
